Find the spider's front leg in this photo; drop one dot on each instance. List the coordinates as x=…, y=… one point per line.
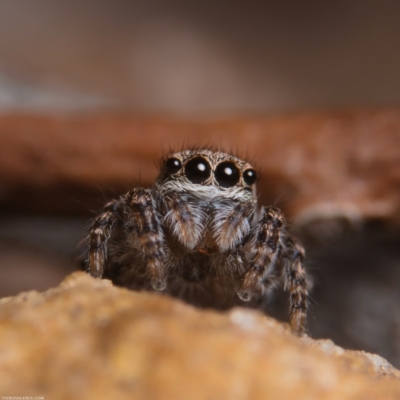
x=269, y=243
x=296, y=284
x=99, y=233
x=142, y=224
x=261, y=250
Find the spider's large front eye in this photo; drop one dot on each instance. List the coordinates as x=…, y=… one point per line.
x=250, y=176
x=227, y=174
x=173, y=165
x=197, y=170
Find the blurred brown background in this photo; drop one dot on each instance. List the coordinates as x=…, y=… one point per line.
x=199, y=57
x=92, y=92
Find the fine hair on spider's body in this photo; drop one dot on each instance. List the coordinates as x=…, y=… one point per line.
x=199, y=235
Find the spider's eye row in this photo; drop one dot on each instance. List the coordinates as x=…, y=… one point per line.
x=250, y=176
x=173, y=165
x=227, y=174
x=197, y=170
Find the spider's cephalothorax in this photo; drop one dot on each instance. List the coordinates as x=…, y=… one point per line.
x=198, y=235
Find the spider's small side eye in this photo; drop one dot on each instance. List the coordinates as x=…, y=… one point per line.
x=197, y=170
x=227, y=174
x=173, y=165
x=250, y=176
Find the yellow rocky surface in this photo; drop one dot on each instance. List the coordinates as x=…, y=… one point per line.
x=87, y=339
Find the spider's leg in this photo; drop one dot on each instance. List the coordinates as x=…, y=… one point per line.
x=98, y=236
x=263, y=249
x=143, y=227
x=296, y=284
x=271, y=247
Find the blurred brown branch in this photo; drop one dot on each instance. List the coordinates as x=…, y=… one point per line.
x=313, y=164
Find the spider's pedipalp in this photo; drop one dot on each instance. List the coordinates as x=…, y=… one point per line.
x=231, y=225
x=184, y=220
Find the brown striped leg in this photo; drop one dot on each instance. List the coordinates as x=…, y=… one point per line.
x=296, y=284
x=264, y=249
x=99, y=234
x=143, y=225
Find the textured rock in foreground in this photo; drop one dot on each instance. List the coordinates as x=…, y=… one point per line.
x=89, y=340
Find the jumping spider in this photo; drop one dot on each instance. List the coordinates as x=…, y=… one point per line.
x=198, y=235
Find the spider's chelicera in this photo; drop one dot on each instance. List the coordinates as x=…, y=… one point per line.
x=199, y=235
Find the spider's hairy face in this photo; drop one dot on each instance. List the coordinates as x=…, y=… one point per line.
x=208, y=174
x=206, y=199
